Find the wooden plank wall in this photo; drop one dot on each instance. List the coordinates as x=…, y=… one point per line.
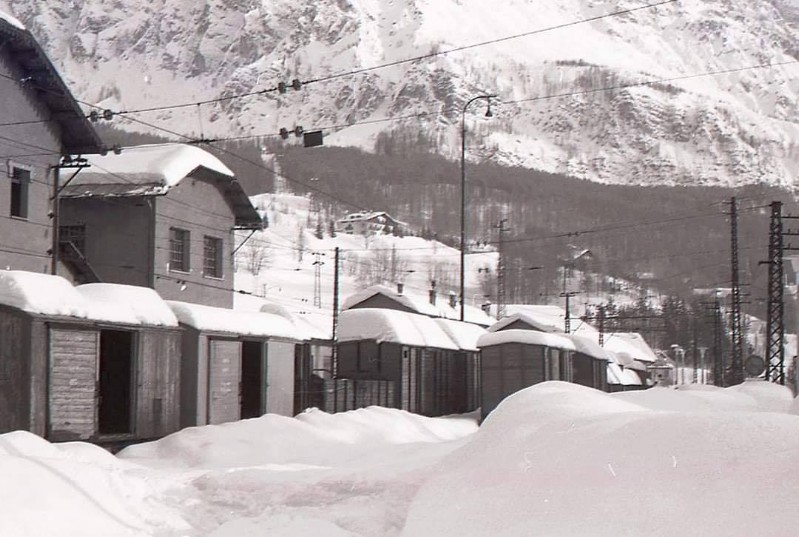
x=13, y=400
x=158, y=381
x=73, y=383
x=224, y=375
x=342, y=395
x=280, y=378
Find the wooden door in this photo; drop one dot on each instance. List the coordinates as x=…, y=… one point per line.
x=224, y=377
x=73, y=384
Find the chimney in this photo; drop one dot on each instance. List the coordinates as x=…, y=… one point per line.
x=400, y=287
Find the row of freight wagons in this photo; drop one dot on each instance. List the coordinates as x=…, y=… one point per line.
x=108, y=362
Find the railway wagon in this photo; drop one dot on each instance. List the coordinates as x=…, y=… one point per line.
x=97, y=362
x=432, y=363
x=235, y=364
x=513, y=359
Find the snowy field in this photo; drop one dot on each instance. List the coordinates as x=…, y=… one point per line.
x=556, y=459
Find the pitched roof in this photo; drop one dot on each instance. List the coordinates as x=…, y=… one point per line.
x=39, y=75
x=419, y=304
x=152, y=170
x=393, y=326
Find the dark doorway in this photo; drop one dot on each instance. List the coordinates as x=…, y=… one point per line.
x=459, y=389
x=252, y=379
x=116, y=382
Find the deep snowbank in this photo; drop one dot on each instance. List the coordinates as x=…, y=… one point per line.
x=560, y=459
x=76, y=489
x=312, y=438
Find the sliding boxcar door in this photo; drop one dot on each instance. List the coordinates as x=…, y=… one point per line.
x=73, y=384
x=224, y=376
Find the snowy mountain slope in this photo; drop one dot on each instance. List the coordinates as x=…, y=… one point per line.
x=738, y=127
x=289, y=245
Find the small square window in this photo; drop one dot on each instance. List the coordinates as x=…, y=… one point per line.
x=179, y=249
x=212, y=257
x=20, y=179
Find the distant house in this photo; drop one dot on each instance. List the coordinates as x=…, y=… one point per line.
x=156, y=216
x=368, y=223
x=41, y=122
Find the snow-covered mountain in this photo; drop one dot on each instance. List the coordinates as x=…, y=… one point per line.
x=740, y=126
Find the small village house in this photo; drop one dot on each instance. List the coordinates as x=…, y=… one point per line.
x=156, y=216
x=369, y=223
x=41, y=123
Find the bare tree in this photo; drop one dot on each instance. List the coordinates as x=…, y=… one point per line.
x=257, y=255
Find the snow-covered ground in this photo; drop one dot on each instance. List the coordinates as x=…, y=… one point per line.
x=554, y=459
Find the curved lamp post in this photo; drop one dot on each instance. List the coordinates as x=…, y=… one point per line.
x=463, y=189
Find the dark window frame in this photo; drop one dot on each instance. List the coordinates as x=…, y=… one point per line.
x=19, y=196
x=179, y=249
x=213, y=256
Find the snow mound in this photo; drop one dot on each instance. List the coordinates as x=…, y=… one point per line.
x=76, y=489
x=558, y=459
x=313, y=438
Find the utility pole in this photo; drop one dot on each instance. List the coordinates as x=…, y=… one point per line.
x=601, y=325
x=66, y=162
x=334, y=335
x=317, y=281
x=718, y=362
x=501, y=270
x=736, y=330
x=567, y=320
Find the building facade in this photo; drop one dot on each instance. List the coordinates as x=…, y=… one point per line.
x=41, y=121
x=156, y=216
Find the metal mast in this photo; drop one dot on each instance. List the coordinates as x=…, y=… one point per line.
x=736, y=328
x=775, y=327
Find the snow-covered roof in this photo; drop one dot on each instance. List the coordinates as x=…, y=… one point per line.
x=529, y=337
x=368, y=215
x=419, y=304
x=135, y=305
x=629, y=346
x=622, y=376
x=240, y=323
x=465, y=335
x=553, y=317
x=152, y=170
x=534, y=321
x=10, y=19
x=170, y=164
x=591, y=348
x=45, y=294
x=393, y=326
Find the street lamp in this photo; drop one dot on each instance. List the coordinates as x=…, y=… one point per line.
x=463, y=189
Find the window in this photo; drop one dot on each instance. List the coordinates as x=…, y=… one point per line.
x=20, y=179
x=212, y=257
x=179, y=249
